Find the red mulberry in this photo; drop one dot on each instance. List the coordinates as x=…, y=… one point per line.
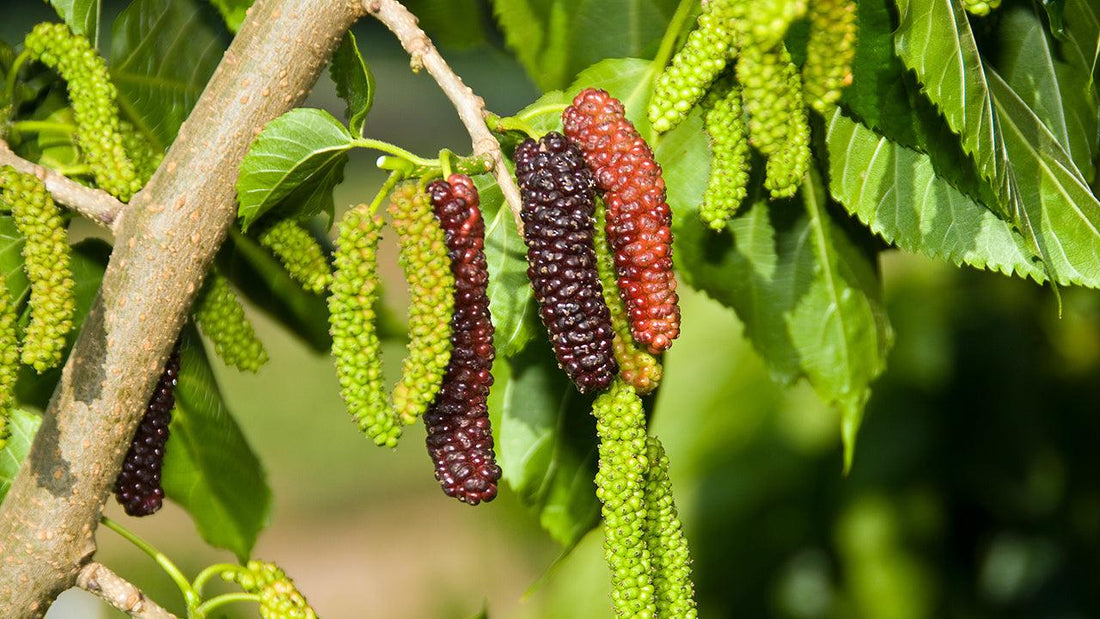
x=639, y=222
x=558, y=205
x=137, y=487
x=460, y=440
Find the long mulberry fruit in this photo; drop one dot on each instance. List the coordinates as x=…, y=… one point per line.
x=771, y=91
x=668, y=548
x=300, y=254
x=355, y=345
x=705, y=53
x=140, y=150
x=558, y=204
x=830, y=51
x=47, y=261
x=279, y=597
x=620, y=486
x=222, y=319
x=93, y=98
x=460, y=440
x=764, y=23
x=639, y=222
x=9, y=361
x=137, y=487
x=427, y=270
x=637, y=367
x=729, y=165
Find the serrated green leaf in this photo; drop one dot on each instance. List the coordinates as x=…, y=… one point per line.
x=209, y=468
x=556, y=39
x=301, y=148
x=1057, y=197
x=82, y=16
x=24, y=425
x=233, y=12
x=354, y=82
x=896, y=192
x=162, y=54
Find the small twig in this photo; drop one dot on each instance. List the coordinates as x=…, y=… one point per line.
x=100, y=581
x=98, y=206
x=470, y=107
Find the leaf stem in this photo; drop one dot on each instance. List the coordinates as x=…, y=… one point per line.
x=41, y=126
x=396, y=151
x=165, y=563
x=551, y=108
x=672, y=33
x=512, y=123
x=13, y=74
x=226, y=598
x=384, y=191
x=445, y=156
x=210, y=572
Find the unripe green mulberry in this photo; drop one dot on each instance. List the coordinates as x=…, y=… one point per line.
x=279, y=598
x=764, y=23
x=668, y=548
x=705, y=53
x=427, y=269
x=300, y=254
x=355, y=345
x=46, y=258
x=620, y=486
x=981, y=8
x=9, y=361
x=637, y=367
x=830, y=51
x=141, y=151
x=729, y=166
x=94, y=107
x=771, y=92
x=220, y=316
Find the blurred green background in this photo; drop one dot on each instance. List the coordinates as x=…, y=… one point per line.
x=974, y=492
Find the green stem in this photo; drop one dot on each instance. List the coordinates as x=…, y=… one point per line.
x=222, y=600
x=396, y=151
x=13, y=74
x=165, y=563
x=79, y=169
x=40, y=126
x=672, y=33
x=445, y=156
x=395, y=176
x=513, y=123
x=551, y=108
x=210, y=572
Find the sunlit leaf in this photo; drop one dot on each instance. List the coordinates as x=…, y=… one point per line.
x=354, y=82
x=233, y=12
x=82, y=16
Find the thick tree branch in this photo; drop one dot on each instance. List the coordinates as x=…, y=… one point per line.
x=97, y=205
x=99, y=580
x=165, y=241
x=470, y=107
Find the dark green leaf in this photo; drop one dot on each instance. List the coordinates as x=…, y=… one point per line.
x=300, y=149
x=23, y=427
x=11, y=259
x=209, y=468
x=82, y=16
x=162, y=54
x=354, y=82
x=556, y=39
x=233, y=12
x=457, y=24
x=1082, y=44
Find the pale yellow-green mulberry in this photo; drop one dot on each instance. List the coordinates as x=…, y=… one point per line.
x=981, y=8
x=830, y=51
x=764, y=23
x=279, y=598
x=301, y=255
x=668, y=548
x=724, y=122
x=222, y=319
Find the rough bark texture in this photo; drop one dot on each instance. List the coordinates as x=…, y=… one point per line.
x=165, y=241
x=99, y=580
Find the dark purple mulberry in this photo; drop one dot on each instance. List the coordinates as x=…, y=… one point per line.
x=460, y=440
x=137, y=487
x=639, y=221
x=558, y=206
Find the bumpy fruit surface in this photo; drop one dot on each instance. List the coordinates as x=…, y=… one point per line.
x=639, y=221
x=355, y=345
x=705, y=53
x=830, y=51
x=141, y=151
x=300, y=254
x=620, y=486
x=137, y=487
x=93, y=98
x=427, y=269
x=47, y=260
x=771, y=91
x=668, y=548
x=558, y=196
x=637, y=367
x=981, y=8
x=764, y=23
x=222, y=319
x=9, y=361
x=279, y=598
x=729, y=166
x=460, y=439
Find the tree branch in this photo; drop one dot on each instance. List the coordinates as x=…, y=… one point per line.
x=95, y=204
x=470, y=107
x=99, y=580
x=165, y=241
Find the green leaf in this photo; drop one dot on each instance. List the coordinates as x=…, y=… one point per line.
x=457, y=24
x=546, y=442
x=1055, y=193
x=895, y=191
x=24, y=425
x=162, y=54
x=11, y=259
x=1082, y=44
x=354, y=82
x=556, y=39
x=305, y=148
x=82, y=16
x=209, y=468
x=58, y=148
x=233, y=12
